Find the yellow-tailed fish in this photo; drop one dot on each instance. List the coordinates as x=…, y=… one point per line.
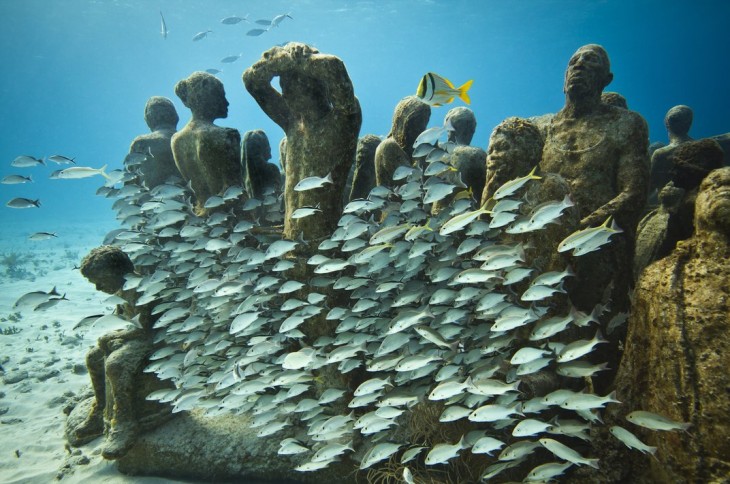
x=436, y=90
x=513, y=185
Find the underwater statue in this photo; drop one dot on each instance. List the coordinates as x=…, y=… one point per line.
x=601, y=151
x=676, y=357
x=363, y=177
x=614, y=99
x=410, y=119
x=515, y=148
x=318, y=111
x=260, y=176
x=208, y=156
x=468, y=160
x=159, y=165
x=115, y=365
x=678, y=121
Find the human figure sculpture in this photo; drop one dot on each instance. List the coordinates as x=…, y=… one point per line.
x=363, y=178
x=601, y=151
x=260, y=175
x=208, y=156
x=676, y=359
x=318, y=111
x=464, y=122
x=161, y=117
x=678, y=121
x=614, y=99
x=116, y=365
x=468, y=160
x=515, y=148
x=410, y=119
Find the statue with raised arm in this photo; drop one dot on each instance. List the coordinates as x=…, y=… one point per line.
x=318, y=111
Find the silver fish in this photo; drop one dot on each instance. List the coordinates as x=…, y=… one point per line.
x=77, y=172
x=23, y=203
x=16, y=179
x=312, y=182
x=566, y=453
x=233, y=19
x=42, y=236
x=231, y=58
x=25, y=161
x=513, y=185
x=630, y=440
x=61, y=160
x=655, y=421
x=163, y=27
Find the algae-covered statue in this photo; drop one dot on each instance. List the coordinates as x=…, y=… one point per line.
x=678, y=122
x=318, y=111
x=208, y=156
x=677, y=355
x=468, y=160
x=410, y=119
x=260, y=176
x=159, y=164
x=363, y=178
x=115, y=365
x=601, y=151
x=515, y=148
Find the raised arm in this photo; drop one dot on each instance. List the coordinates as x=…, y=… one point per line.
x=257, y=80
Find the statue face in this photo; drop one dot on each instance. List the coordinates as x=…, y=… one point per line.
x=587, y=72
x=712, y=207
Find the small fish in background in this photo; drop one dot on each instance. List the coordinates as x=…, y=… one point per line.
x=256, y=32
x=312, y=182
x=25, y=161
x=42, y=236
x=234, y=19
x=279, y=18
x=62, y=160
x=590, y=239
x=77, y=172
x=201, y=35
x=16, y=179
x=655, y=421
x=163, y=27
x=263, y=21
x=23, y=203
x=231, y=58
x=213, y=71
x=436, y=90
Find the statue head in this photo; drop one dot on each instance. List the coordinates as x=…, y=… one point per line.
x=464, y=123
x=614, y=99
x=410, y=119
x=256, y=146
x=204, y=95
x=159, y=113
x=106, y=267
x=588, y=72
x=678, y=120
x=515, y=140
x=712, y=207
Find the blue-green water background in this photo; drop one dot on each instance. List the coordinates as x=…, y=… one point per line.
x=76, y=73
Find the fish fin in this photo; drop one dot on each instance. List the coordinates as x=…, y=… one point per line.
x=104, y=174
x=463, y=91
x=532, y=174
x=328, y=178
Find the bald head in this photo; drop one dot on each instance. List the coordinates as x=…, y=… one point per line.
x=589, y=71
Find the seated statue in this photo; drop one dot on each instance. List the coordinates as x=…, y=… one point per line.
x=321, y=117
x=208, y=156
x=260, y=175
x=678, y=121
x=676, y=358
x=468, y=160
x=161, y=117
x=410, y=119
x=116, y=365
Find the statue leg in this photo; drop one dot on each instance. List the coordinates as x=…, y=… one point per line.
x=123, y=368
x=93, y=426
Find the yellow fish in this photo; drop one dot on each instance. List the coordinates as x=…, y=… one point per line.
x=436, y=90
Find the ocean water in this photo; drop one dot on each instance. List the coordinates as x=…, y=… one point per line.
x=77, y=73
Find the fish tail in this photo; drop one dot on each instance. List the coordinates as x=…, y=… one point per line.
x=328, y=178
x=463, y=91
x=103, y=173
x=532, y=175
x=30, y=178
x=37, y=202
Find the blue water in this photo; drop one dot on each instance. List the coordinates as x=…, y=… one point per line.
x=77, y=73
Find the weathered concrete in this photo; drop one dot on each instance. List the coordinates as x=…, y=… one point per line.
x=208, y=156
x=161, y=117
x=260, y=176
x=318, y=111
x=363, y=179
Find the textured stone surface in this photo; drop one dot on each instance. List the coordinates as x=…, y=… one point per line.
x=318, y=111
x=106, y=267
x=678, y=122
x=678, y=346
x=410, y=119
x=208, y=156
x=363, y=179
x=260, y=176
x=464, y=122
x=161, y=117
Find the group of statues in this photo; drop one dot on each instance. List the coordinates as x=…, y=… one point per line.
x=594, y=149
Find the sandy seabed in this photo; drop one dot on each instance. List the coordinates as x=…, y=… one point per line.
x=43, y=362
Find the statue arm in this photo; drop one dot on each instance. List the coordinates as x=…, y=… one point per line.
x=632, y=179
x=257, y=80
